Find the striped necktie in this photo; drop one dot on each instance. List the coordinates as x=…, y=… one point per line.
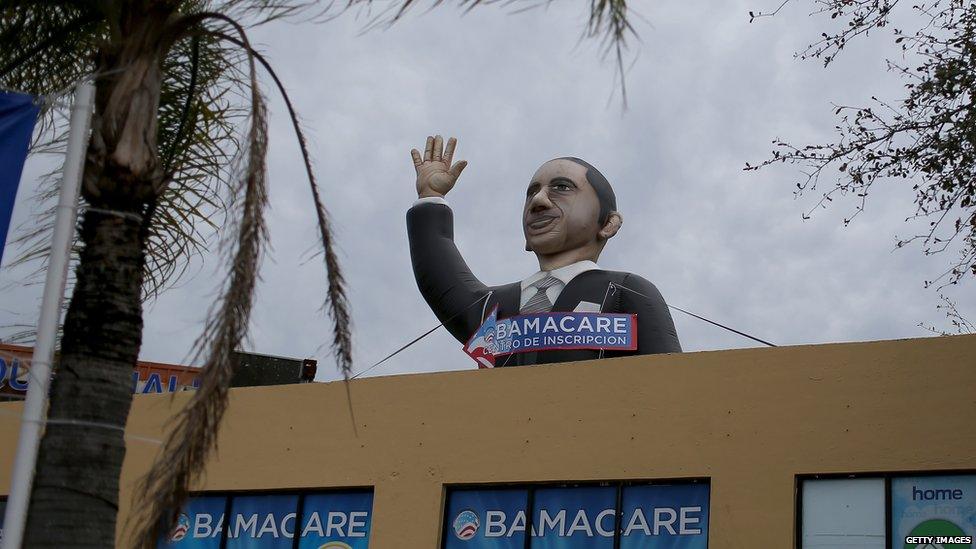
x=539, y=303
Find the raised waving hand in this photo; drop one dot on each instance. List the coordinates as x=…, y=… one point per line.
x=436, y=175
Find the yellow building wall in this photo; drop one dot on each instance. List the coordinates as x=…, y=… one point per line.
x=749, y=420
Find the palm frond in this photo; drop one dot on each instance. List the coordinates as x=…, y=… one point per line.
x=47, y=48
x=198, y=134
x=336, y=301
x=193, y=436
x=609, y=22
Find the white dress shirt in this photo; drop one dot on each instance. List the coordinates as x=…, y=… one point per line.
x=563, y=274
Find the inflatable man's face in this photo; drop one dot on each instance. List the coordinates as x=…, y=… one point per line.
x=561, y=210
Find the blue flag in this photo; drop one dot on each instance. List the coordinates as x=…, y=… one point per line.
x=18, y=112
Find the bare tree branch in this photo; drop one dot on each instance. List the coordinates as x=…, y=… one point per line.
x=928, y=139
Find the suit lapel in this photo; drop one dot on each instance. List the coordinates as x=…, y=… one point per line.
x=507, y=298
x=588, y=286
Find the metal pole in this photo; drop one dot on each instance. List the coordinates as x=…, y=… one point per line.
x=35, y=407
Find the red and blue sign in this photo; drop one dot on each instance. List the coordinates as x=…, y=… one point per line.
x=654, y=516
x=551, y=331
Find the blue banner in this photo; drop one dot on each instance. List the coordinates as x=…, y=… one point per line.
x=936, y=511
x=336, y=521
x=18, y=112
x=665, y=517
x=651, y=517
x=551, y=331
x=329, y=520
x=200, y=525
x=486, y=519
x=574, y=518
x=262, y=522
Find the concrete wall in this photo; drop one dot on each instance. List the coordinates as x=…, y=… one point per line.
x=750, y=420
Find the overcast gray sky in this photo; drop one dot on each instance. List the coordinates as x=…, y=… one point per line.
x=707, y=92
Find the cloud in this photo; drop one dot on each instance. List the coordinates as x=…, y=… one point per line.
x=707, y=93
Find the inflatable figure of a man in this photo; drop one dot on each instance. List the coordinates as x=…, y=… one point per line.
x=570, y=212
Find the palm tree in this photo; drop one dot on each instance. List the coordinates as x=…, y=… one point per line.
x=162, y=143
x=171, y=150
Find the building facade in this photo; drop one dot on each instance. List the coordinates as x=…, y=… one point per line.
x=844, y=445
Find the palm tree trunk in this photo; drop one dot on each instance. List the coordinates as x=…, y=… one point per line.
x=76, y=488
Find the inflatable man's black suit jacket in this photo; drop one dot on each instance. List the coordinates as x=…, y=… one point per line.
x=455, y=294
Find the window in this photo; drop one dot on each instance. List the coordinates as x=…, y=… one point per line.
x=265, y=520
x=846, y=513
x=594, y=516
x=939, y=506
x=887, y=511
x=284, y=520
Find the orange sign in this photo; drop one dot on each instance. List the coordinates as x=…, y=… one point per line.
x=148, y=377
